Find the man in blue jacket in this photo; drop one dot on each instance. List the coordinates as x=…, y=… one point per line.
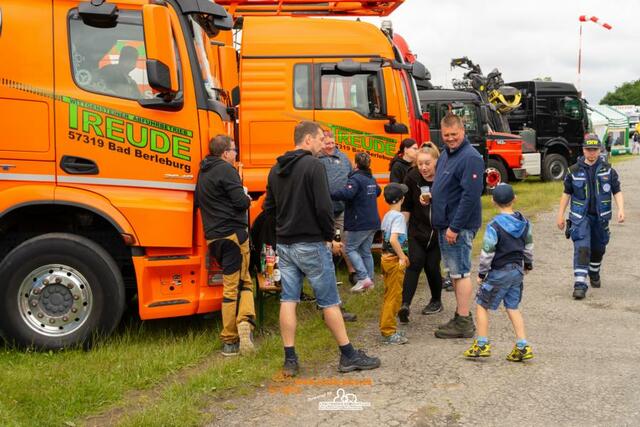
x=457, y=215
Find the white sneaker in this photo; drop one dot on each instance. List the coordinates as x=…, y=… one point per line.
x=362, y=285
x=370, y=284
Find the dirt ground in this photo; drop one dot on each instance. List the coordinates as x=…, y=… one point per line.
x=585, y=371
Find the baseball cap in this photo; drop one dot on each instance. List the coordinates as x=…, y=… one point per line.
x=591, y=140
x=503, y=194
x=393, y=192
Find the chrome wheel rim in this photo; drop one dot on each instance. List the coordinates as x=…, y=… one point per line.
x=55, y=300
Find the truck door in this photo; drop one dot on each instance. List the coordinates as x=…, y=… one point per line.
x=26, y=102
x=356, y=106
x=142, y=160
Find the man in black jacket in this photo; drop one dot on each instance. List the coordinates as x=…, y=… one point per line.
x=224, y=203
x=298, y=195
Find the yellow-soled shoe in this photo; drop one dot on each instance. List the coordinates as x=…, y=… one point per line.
x=518, y=355
x=478, y=351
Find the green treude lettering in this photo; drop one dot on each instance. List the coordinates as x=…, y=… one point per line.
x=112, y=128
x=159, y=141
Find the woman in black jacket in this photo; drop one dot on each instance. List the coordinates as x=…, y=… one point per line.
x=403, y=160
x=424, y=251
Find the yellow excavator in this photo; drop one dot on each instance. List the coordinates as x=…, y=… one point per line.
x=491, y=88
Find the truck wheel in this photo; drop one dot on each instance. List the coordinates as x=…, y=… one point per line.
x=554, y=167
x=495, y=174
x=59, y=290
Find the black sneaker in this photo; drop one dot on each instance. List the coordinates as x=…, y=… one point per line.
x=347, y=316
x=307, y=298
x=579, y=293
x=595, y=281
x=403, y=314
x=359, y=362
x=231, y=349
x=447, y=284
x=432, y=308
x=290, y=368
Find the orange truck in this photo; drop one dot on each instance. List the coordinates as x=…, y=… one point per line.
x=346, y=75
x=106, y=109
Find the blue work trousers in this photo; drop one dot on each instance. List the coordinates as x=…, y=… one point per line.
x=590, y=238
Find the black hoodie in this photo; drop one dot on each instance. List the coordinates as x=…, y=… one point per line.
x=298, y=195
x=221, y=198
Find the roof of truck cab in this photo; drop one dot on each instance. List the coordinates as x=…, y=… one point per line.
x=312, y=37
x=546, y=87
x=447, y=95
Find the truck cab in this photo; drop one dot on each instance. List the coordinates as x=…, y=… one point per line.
x=106, y=110
x=553, y=120
x=485, y=128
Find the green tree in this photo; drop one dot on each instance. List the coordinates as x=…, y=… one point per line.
x=627, y=94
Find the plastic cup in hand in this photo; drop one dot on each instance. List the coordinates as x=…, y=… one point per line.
x=425, y=193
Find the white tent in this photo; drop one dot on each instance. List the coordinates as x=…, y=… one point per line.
x=616, y=130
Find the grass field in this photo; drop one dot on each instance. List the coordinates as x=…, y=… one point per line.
x=165, y=372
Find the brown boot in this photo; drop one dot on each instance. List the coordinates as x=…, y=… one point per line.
x=459, y=327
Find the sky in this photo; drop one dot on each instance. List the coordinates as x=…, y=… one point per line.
x=525, y=39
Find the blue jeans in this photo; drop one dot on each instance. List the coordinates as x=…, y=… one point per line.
x=504, y=284
x=313, y=261
x=358, y=250
x=457, y=257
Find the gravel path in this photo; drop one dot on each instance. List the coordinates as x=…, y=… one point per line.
x=585, y=371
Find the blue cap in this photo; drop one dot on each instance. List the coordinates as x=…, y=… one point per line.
x=503, y=194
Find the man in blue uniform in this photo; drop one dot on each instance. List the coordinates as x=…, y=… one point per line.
x=589, y=187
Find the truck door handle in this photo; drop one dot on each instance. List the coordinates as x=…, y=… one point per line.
x=78, y=166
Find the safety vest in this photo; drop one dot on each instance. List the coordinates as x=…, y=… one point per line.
x=580, y=195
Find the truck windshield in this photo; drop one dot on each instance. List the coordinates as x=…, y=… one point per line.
x=200, y=40
x=468, y=114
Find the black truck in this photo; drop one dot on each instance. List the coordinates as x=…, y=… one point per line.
x=552, y=121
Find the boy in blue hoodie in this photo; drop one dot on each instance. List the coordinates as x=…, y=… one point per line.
x=507, y=254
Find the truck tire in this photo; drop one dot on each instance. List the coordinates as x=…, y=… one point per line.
x=495, y=173
x=59, y=290
x=554, y=167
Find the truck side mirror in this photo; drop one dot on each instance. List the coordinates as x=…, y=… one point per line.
x=419, y=71
x=162, y=67
x=235, y=96
x=394, y=127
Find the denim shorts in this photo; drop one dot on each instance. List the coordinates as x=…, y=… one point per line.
x=500, y=285
x=310, y=260
x=457, y=257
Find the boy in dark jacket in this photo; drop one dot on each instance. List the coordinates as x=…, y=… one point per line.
x=507, y=253
x=361, y=220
